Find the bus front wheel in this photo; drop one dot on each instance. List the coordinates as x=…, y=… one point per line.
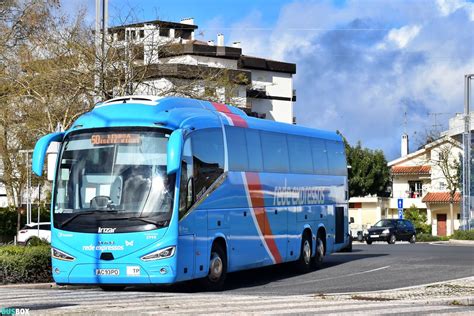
x=215, y=279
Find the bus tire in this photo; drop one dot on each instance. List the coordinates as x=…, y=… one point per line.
x=318, y=258
x=214, y=281
x=112, y=288
x=304, y=262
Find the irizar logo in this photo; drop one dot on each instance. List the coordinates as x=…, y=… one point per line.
x=106, y=230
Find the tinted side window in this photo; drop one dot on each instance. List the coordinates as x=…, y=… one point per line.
x=254, y=150
x=301, y=160
x=208, y=158
x=237, y=149
x=275, y=152
x=45, y=226
x=320, y=157
x=409, y=225
x=336, y=158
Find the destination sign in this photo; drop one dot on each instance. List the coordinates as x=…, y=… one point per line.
x=107, y=139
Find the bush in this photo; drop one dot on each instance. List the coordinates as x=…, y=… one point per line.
x=418, y=219
x=25, y=264
x=429, y=237
x=463, y=234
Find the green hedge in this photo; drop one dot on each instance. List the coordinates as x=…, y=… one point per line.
x=429, y=237
x=25, y=264
x=463, y=234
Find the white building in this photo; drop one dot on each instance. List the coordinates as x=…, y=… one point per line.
x=418, y=180
x=173, y=58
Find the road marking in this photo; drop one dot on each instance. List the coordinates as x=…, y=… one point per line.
x=403, y=288
x=337, y=277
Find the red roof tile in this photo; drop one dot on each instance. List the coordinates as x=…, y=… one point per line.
x=440, y=197
x=411, y=170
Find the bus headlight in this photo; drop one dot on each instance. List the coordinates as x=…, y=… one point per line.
x=60, y=255
x=160, y=254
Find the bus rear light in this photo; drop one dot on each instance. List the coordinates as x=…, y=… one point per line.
x=58, y=254
x=160, y=254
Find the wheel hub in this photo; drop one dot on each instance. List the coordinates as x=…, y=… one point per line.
x=306, y=252
x=216, y=267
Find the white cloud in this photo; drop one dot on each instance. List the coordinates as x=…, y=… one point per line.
x=345, y=80
x=446, y=7
x=402, y=36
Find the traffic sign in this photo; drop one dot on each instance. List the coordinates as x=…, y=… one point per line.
x=400, y=204
x=400, y=213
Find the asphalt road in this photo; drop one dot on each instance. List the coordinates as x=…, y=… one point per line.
x=274, y=290
x=368, y=268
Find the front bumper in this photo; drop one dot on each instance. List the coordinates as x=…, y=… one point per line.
x=122, y=273
x=381, y=237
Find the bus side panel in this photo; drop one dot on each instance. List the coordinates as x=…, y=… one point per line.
x=247, y=249
x=185, y=265
x=294, y=235
x=194, y=260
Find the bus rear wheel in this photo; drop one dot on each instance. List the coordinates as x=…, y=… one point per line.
x=214, y=281
x=317, y=261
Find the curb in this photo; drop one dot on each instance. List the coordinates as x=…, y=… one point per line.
x=462, y=242
x=402, y=288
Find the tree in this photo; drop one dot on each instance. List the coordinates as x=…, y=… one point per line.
x=368, y=173
x=418, y=219
x=445, y=159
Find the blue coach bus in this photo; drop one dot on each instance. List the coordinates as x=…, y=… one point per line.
x=154, y=190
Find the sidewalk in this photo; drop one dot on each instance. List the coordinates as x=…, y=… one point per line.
x=454, y=292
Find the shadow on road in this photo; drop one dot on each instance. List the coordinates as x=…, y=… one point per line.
x=260, y=276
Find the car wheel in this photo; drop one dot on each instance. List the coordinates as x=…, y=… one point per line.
x=413, y=239
x=112, y=288
x=29, y=242
x=392, y=239
x=214, y=281
x=360, y=238
x=368, y=241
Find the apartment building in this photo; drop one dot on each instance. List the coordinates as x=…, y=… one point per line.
x=174, y=62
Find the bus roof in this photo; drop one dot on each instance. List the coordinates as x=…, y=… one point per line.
x=178, y=112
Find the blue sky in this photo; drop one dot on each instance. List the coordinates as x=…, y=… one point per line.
x=361, y=64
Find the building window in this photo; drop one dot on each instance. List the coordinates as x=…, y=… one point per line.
x=164, y=32
x=121, y=35
x=142, y=33
x=459, y=216
x=415, y=189
x=442, y=186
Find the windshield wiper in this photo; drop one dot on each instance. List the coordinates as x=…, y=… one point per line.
x=70, y=219
x=143, y=219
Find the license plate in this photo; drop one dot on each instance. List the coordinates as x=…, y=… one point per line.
x=112, y=272
x=374, y=236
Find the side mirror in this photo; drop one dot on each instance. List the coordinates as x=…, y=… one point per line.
x=351, y=220
x=41, y=148
x=175, y=147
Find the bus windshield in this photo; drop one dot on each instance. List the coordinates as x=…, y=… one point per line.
x=116, y=178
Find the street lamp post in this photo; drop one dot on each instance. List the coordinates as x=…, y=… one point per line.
x=466, y=202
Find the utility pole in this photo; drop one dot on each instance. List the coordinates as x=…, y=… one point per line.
x=101, y=25
x=466, y=166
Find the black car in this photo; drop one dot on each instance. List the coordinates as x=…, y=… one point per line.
x=391, y=230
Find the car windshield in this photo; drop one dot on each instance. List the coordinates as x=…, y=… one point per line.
x=383, y=223
x=115, y=174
